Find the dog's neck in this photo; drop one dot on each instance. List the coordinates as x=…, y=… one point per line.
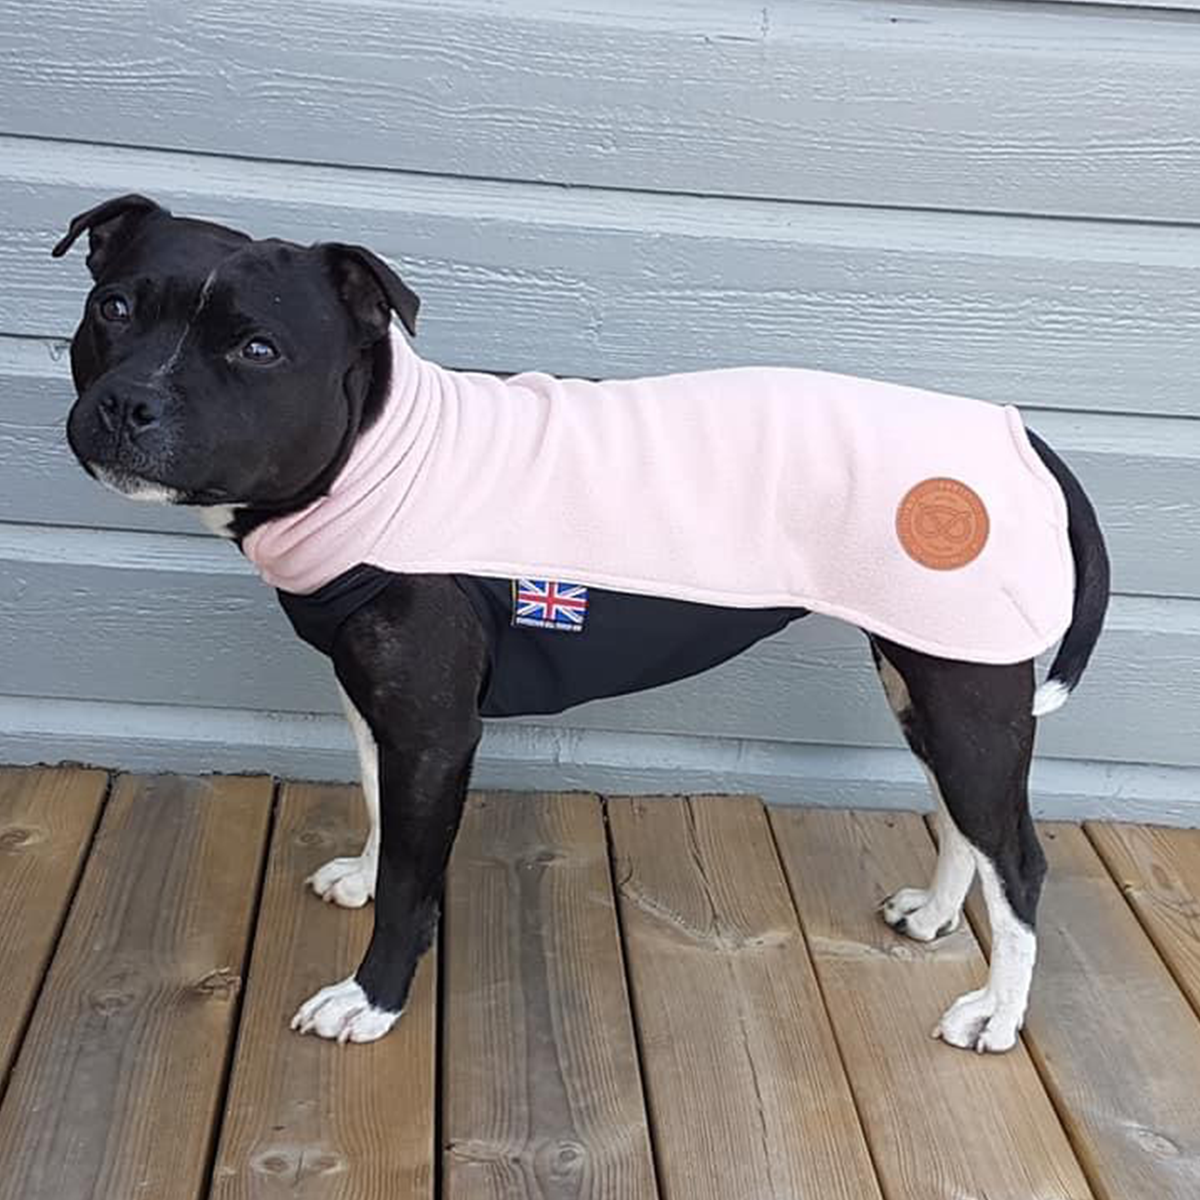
x=367, y=397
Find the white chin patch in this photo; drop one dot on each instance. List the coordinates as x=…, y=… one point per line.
x=132, y=487
x=218, y=518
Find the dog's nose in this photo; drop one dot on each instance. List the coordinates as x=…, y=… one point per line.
x=132, y=409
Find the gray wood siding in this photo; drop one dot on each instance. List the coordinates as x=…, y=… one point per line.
x=175, y=623
x=998, y=200
x=967, y=105
x=1056, y=314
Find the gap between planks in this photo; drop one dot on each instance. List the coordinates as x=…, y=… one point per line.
x=885, y=993
x=744, y=1082
x=48, y=820
x=306, y=1117
x=1158, y=872
x=1114, y=1038
x=542, y=1092
x=117, y=1085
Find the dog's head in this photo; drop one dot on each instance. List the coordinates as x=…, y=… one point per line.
x=214, y=369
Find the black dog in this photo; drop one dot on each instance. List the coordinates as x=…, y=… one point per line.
x=237, y=376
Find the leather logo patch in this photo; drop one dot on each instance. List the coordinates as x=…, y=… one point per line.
x=942, y=524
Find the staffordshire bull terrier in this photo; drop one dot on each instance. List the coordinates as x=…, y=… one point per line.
x=463, y=546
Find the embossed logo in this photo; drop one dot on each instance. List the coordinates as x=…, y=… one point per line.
x=942, y=524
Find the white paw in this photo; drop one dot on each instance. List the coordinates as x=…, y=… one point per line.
x=349, y=882
x=975, y=1022
x=915, y=913
x=342, y=1013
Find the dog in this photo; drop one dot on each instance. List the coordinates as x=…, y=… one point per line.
x=265, y=384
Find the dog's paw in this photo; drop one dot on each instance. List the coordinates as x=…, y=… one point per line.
x=349, y=882
x=976, y=1022
x=342, y=1013
x=915, y=913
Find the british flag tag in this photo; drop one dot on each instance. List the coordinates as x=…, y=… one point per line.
x=543, y=604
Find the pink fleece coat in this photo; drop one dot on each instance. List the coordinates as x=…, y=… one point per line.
x=746, y=488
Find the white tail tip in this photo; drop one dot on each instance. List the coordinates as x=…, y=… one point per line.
x=1050, y=697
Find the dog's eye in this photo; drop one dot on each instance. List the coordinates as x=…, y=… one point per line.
x=259, y=350
x=114, y=308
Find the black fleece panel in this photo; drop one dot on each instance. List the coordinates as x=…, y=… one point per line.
x=623, y=643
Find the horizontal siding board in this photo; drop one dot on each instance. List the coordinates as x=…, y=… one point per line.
x=1044, y=108
x=1066, y=315
x=1140, y=701
x=184, y=623
x=519, y=756
x=1140, y=472
x=1178, y=5
x=153, y=634
x=1142, y=476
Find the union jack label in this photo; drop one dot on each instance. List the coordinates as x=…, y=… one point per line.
x=546, y=605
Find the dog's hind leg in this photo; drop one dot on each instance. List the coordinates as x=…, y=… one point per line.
x=350, y=881
x=973, y=728
x=926, y=913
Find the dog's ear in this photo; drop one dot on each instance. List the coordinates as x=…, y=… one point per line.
x=370, y=289
x=109, y=226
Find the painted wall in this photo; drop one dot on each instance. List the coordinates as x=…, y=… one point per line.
x=998, y=199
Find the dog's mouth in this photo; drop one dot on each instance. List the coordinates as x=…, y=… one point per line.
x=133, y=487
x=150, y=491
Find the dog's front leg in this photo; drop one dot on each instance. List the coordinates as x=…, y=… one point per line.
x=350, y=880
x=422, y=789
x=412, y=663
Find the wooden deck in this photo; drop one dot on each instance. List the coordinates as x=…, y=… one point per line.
x=690, y=999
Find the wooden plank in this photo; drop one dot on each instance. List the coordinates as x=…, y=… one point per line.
x=306, y=1117
x=942, y=1124
x=46, y=823
x=116, y=1089
x=747, y=1092
x=1114, y=1039
x=1037, y=108
x=543, y=1097
x=1052, y=314
x=1158, y=870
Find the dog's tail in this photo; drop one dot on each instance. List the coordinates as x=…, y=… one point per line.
x=1091, y=587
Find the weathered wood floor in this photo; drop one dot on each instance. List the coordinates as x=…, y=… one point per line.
x=684, y=998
